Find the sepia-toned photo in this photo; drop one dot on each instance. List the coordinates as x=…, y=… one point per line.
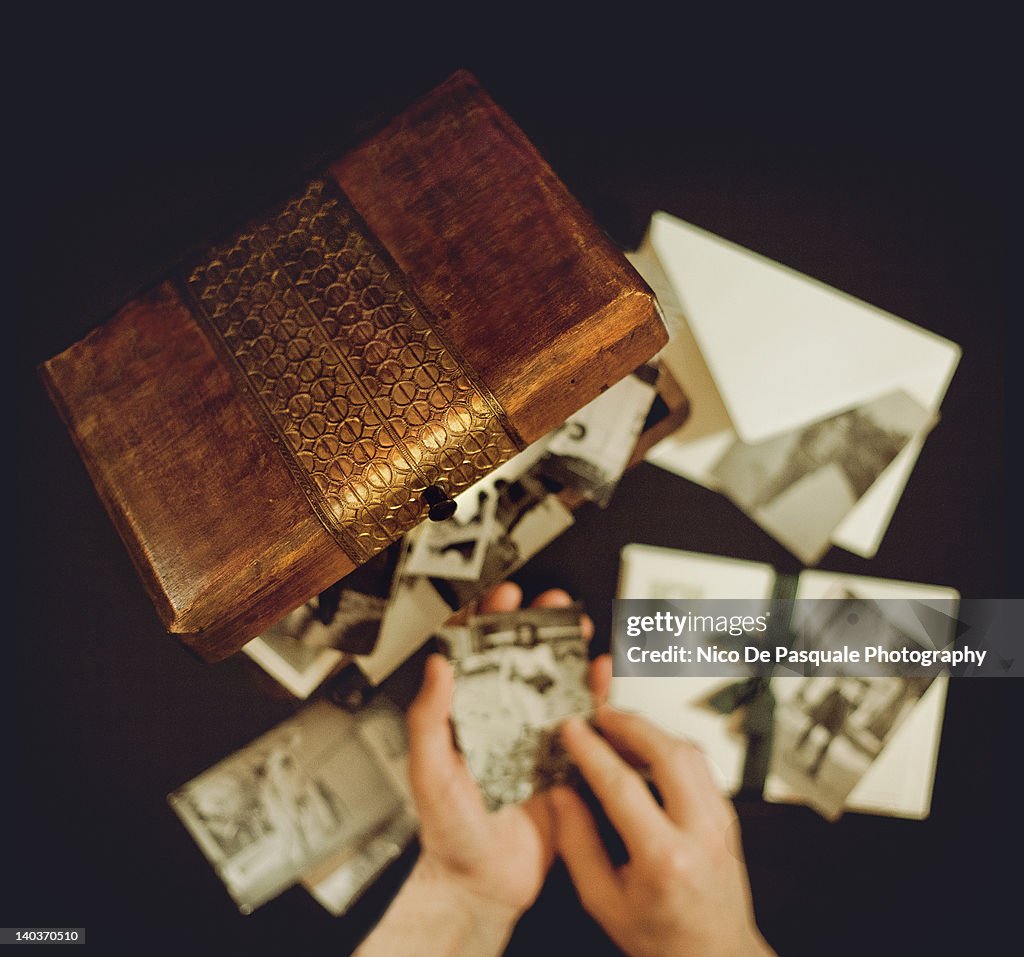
x=288, y=659
x=801, y=485
x=828, y=731
x=518, y=676
x=320, y=782
x=589, y=452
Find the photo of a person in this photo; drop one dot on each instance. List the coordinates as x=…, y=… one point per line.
x=518, y=675
x=831, y=714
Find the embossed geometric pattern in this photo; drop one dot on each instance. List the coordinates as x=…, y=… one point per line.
x=367, y=404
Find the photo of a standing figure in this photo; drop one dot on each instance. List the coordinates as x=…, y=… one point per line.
x=831, y=714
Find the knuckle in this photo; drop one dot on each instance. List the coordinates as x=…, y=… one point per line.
x=681, y=754
x=669, y=866
x=617, y=777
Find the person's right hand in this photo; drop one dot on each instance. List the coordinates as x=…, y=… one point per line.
x=684, y=890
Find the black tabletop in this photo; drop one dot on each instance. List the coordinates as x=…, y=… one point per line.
x=889, y=188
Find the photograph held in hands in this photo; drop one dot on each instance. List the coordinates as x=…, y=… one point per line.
x=518, y=676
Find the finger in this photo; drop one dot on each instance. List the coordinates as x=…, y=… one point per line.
x=507, y=596
x=623, y=794
x=437, y=773
x=600, y=678
x=679, y=770
x=538, y=808
x=596, y=881
x=552, y=598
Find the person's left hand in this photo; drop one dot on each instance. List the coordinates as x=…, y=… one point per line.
x=500, y=858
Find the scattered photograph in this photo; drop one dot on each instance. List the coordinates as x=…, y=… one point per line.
x=456, y=548
x=841, y=620
x=310, y=643
x=321, y=782
x=339, y=880
x=829, y=730
x=283, y=653
x=799, y=486
x=589, y=452
x=527, y=517
x=518, y=676
x=351, y=610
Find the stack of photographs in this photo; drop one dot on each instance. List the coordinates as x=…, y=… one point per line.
x=322, y=798
x=518, y=676
x=845, y=741
x=809, y=407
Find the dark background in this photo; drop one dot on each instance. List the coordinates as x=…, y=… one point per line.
x=879, y=171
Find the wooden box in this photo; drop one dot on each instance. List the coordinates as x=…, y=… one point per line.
x=305, y=391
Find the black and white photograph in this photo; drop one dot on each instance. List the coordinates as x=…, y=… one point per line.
x=456, y=547
x=301, y=650
x=283, y=651
x=527, y=517
x=843, y=619
x=799, y=486
x=589, y=452
x=829, y=730
x=339, y=880
x=311, y=786
x=311, y=642
x=518, y=676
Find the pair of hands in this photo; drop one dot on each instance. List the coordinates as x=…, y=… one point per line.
x=684, y=889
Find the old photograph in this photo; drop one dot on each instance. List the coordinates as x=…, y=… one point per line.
x=527, y=517
x=828, y=731
x=799, y=486
x=339, y=879
x=845, y=620
x=310, y=643
x=310, y=787
x=456, y=548
x=281, y=651
x=301, y=651
x=518, y=676
x=589, y=452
